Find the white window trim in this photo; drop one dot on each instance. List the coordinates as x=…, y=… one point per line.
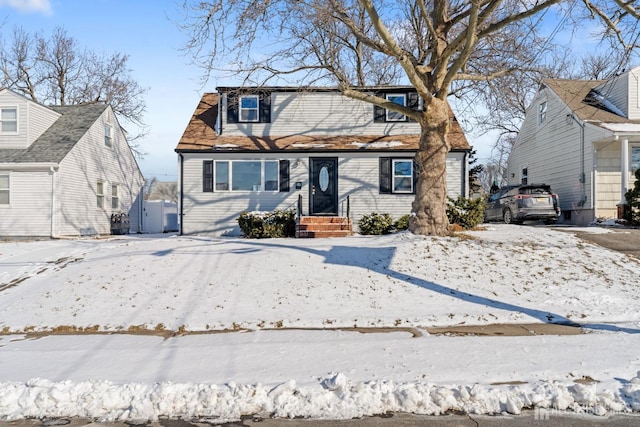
x=240, y=109
x=230, y=176
x=401, y=117
x=108, y=135
x=394, y=176
x=10, y=107
x=632, y=148
x=100, y=195
x=115, y=197
x=543, y=110
x=7, y=190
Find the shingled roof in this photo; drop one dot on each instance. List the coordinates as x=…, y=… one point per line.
x=576, y=94
x=201, y=136
x=56, y=142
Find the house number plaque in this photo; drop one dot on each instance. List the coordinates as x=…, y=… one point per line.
x=323, y=179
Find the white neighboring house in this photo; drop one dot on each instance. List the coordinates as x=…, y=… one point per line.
x=582, y=137
x=309, y=149
x=64, y=170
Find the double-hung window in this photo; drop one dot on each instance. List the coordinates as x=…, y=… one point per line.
x=9, y=120
x=108, y=135
x=100, y=194
x=115, y=197
x=542, y=112
x=397, y=175
x=524, y=176
x=400, y=99
x=402, y=176
x=4, y=189
x=249, y=108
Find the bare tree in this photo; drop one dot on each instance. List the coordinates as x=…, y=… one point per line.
x=437, y=44
x=56, y=71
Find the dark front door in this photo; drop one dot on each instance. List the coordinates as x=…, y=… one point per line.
x=324, y=186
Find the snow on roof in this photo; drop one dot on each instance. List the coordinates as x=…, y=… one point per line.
x=622, y=127
x=383, y=144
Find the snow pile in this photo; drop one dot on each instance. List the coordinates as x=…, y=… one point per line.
x=338, y=398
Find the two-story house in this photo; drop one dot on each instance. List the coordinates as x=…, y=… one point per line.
x=267, y=148
x=64, y=170
x=582, y=137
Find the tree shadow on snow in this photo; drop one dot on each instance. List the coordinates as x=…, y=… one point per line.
x=379, y=260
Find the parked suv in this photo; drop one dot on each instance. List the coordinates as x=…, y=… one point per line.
x=517, y=203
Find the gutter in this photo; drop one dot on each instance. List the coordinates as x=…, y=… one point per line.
x=582, y=178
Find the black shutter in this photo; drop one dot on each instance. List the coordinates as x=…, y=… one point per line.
x=379, y=114
x=284, y=176
x=413, y=100
x=207, y=176
x=385, y=175
x=232, y=107
x=265, y=107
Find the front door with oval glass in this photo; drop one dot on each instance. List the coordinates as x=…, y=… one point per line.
x=324, y=185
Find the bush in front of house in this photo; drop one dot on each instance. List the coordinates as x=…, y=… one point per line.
x=402, y=223
x=467, y=213
x=376, y=224
x=261, y=225
x=632, y=196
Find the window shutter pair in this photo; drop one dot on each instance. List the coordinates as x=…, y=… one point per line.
x=380, y=114
x=233, y=107
x=385, y=176
x=207, y=176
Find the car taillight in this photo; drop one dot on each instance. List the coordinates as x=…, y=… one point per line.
x=522, y=196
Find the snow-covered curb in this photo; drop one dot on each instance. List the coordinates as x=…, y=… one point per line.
x=337, y=398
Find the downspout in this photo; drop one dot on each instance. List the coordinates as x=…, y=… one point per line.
x=181, y=204
x=582, y=178
x=52, y=232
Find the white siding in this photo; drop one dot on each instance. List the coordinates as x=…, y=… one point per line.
x=616, y=91
x=634, y=94
x=28, y=213
x=33, y=120
x=551, y=152
x=319, y=113
x=87, y=163
x=358, y=178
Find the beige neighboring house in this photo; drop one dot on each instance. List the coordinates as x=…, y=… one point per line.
x=313, y=150
x=64, y=170
x=582, y=137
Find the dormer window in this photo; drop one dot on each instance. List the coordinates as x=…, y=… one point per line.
x=394, y=116
x=249, y=108
x=9, y=120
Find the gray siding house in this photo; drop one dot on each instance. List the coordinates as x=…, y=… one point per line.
x=261, y=149
x=64, y=170
x=582, y=137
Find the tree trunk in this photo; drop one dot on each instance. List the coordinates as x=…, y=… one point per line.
x=429, y=213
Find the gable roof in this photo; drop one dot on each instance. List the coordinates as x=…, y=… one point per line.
x=578, y=95
x=56, y=142
x=200, y=135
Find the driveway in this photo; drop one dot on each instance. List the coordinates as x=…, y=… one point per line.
x=625, y=240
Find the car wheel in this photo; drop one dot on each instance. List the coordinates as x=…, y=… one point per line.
x=507, y=216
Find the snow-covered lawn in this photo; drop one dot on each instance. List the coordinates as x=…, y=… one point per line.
x=289, y=302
